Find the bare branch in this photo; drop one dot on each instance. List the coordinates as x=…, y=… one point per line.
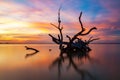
x=57, y=41
x=75, y=36
x=87, y=42
x=83, y=29
x=54, y=25
x=59, y=21
x=58, y=36
x=68, y=37
x=59, y=26
x=94, y=39
x=90, y=38
x=54, y=39
x=88, y=31
x=79, y=33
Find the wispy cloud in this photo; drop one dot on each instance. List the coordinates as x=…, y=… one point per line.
x=25, y=17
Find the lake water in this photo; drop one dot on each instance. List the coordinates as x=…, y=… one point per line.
x=103, y=63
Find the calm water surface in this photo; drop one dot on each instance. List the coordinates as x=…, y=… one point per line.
x=103, y=63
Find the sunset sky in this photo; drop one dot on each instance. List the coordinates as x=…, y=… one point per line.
x=28, y=21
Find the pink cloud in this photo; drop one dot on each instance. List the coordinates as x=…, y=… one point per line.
x=45, y=11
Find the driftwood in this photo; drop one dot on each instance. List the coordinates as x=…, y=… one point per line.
x=74, y=44
x=31, y=54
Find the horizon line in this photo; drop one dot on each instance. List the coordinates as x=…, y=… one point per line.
x=54, y=43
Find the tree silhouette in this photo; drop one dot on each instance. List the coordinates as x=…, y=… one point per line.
x=75, y=43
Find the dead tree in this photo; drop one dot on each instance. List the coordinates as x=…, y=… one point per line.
x=58, y=40
x=71, y=44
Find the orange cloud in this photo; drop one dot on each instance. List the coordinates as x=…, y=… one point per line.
x=33, y=17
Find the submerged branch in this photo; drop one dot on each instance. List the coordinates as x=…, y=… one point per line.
x=29, y=48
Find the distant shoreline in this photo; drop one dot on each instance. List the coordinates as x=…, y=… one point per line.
x=54, y=43
x=105, y=43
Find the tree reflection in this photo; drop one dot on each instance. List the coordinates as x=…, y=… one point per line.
x=71, y=57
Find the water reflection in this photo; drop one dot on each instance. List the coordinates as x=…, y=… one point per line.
x=80, y=56
x=14, y=66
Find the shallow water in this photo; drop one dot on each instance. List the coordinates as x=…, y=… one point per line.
x=102, y=64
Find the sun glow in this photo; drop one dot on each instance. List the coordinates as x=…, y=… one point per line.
x=15, y=24
x=18, y=27
x=14, y=31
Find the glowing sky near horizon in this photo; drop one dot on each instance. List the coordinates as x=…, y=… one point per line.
x=28, y=21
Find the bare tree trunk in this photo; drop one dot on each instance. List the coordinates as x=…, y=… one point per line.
x=60, y=36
